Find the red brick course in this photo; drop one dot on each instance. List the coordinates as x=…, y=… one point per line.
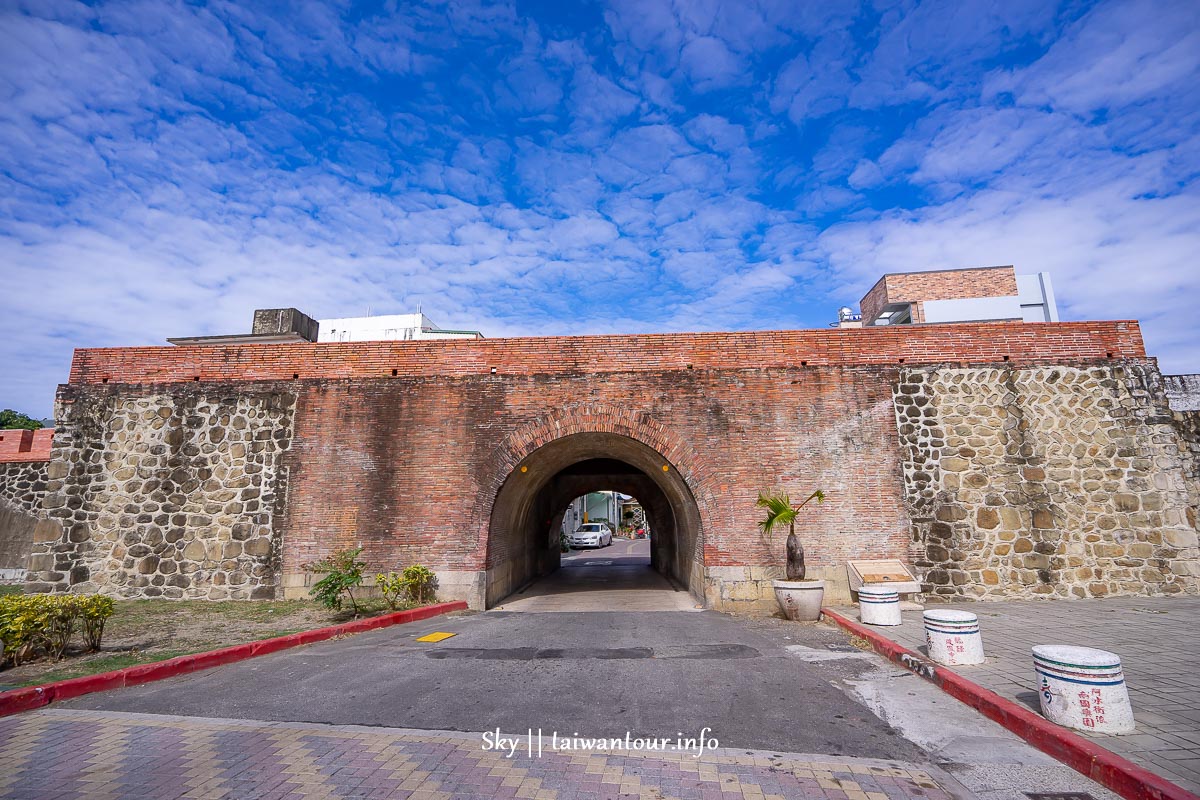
x=983, y=342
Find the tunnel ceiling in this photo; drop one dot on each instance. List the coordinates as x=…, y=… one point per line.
x=601, y=466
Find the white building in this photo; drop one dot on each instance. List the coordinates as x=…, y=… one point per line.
x=402, y=327
x=593, y=507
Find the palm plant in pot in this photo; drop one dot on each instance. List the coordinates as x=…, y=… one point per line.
x=798, y=598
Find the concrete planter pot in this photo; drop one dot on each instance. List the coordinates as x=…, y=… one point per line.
x=800, y=601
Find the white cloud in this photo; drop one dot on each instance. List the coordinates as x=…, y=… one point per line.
x=167, y=168
x=1111, y=254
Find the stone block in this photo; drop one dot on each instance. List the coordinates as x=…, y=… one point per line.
x=1189, y=567
x=1126, y=501
x=1042, y=518
x=40, y=562
x=1181, y=539
x=259, y=547
x=195, y=550
x=47, y=530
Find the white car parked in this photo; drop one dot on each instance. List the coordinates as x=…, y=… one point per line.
x=592, y=534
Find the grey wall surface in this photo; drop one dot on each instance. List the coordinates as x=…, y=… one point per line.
x=22, y=488
x=1183, y=392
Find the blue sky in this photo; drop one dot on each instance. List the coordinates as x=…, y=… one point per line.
x=558, y=168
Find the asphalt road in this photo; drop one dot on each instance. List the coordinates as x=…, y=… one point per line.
x=595, y=673
x=761, y=684
x=626, y=552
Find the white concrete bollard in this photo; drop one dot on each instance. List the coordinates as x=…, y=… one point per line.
x=1082, y=688
x=953, y=637
x=878, y=605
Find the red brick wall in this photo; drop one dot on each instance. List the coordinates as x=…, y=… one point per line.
x=17, y=445
x=952, y=284
x=970, y=342
x=873, y=301
x=410, y=467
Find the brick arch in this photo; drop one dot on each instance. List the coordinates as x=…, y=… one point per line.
x=550, y=444
x=519, y=444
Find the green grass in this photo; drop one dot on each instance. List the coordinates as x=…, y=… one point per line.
x=95, y=666
x=138, y=612
x=145, y=631
x=10, y=588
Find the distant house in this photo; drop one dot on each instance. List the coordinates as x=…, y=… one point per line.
x=979, y=294
x=389, y=327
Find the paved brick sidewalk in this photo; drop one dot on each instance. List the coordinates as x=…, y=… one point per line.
x=1158, y=640
x=55, y=754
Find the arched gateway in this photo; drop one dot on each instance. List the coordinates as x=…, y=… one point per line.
x=523, y=538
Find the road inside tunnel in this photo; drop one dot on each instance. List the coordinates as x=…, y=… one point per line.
x=614, y=578
x=525, y=558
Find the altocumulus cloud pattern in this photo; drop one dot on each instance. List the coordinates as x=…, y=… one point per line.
x=559, y=167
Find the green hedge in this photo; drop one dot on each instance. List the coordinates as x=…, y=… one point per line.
x=43, y=624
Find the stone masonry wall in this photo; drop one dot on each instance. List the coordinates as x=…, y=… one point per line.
x=23, y=485
x=170, y=493
x=1046, y=481
x=22, y=488
x=1187, y=423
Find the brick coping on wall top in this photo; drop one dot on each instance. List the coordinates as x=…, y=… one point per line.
x=26, y=699
x=1084, y=756
x=982, y=342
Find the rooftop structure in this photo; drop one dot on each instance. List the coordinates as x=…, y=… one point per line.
x=271, y=326
x=983, y=294
x=291, y=326
x=388, y=327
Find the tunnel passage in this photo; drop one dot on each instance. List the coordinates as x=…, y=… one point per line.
x=523, y=535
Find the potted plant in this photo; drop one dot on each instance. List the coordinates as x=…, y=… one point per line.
x=799, y=599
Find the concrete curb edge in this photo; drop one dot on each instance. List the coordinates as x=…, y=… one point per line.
x=1103, y=766
x=15, y=701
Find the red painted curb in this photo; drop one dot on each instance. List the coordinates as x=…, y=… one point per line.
x=25, y=699
x=1103, y=766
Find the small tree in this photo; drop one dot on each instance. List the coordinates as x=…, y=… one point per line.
x=780, y=511
x=343, y=574
x=15, y=420
x=95, y=610
x=393, y=588
x=421, y=583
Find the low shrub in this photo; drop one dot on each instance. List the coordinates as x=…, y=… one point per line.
x=33, y=624
x=416, y=585
x=420, y=583
x=95, y=609
x=394, y=589
x=343, y=574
